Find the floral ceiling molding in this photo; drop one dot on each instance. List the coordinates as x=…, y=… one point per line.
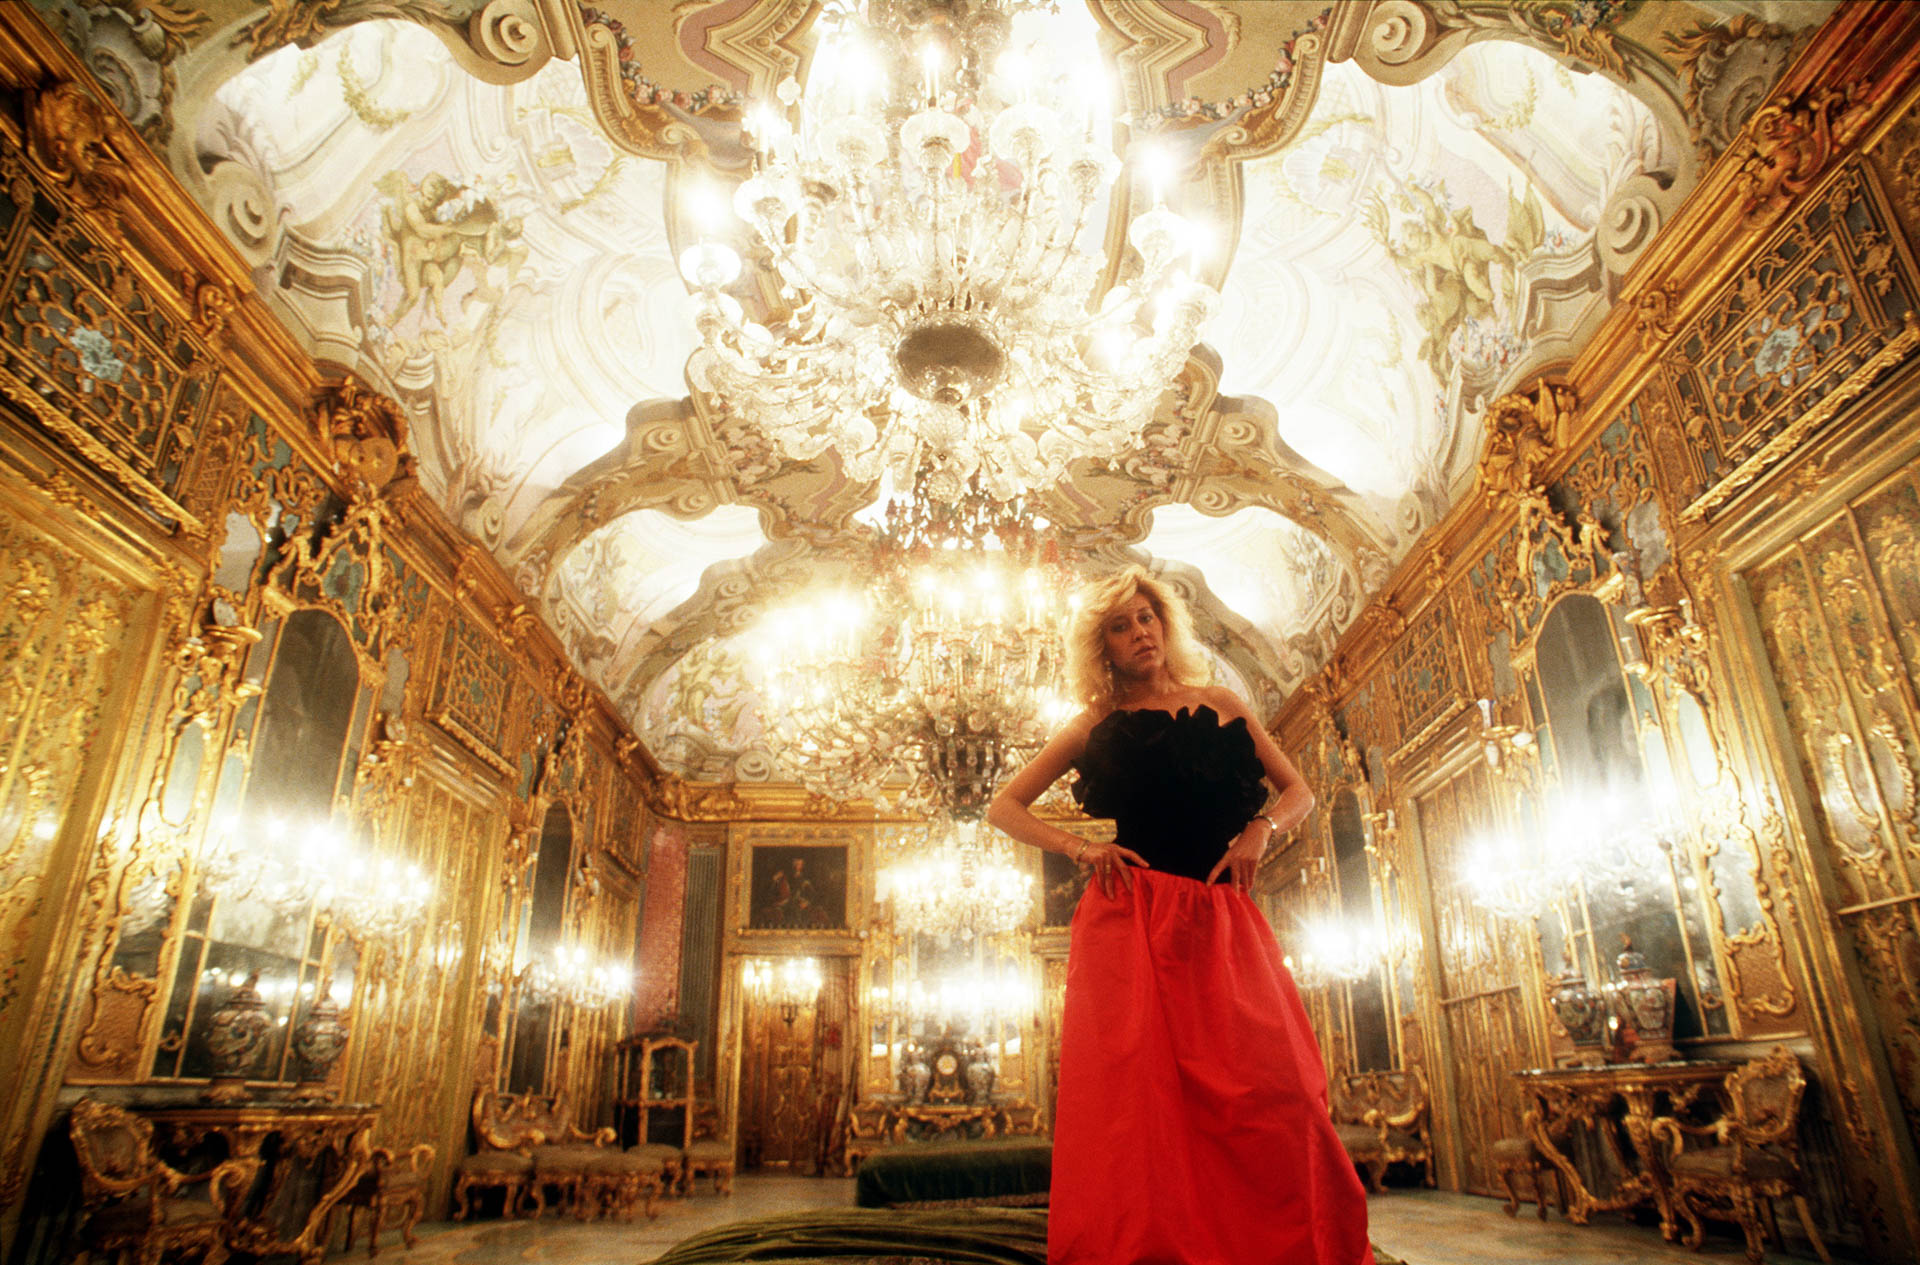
x=476, y=207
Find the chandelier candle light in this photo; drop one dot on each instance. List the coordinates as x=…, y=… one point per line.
x=292, y=867
x=567, y=973
x=929, y=242
x=790, y=984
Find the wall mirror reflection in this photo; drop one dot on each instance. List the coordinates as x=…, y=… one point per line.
x=253, y=938
x=534, y=1029
x=1363, y=1002
x=1626, y=909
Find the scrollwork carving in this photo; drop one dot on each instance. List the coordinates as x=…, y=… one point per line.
x=1727, y=69
x=677, y=799
x=212, y=304
x=1654, y=315
x=1786, y=147
x=512, y=33
x=70, y=136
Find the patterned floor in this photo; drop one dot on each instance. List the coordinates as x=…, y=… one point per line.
x=1426, y=1227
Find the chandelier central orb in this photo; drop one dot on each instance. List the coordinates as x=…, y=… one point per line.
x=929, y=283
x=949, y=362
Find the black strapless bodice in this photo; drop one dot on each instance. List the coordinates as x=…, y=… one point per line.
x=1179, y=786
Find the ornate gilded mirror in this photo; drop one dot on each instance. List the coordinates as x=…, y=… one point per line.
x=533, y=1033
x=1606, y=816
x=287, y=774
x=1363, y=1002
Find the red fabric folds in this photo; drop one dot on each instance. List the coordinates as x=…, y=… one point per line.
x=1191, y=1126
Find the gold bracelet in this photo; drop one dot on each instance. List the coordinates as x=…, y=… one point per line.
x=1081, y=850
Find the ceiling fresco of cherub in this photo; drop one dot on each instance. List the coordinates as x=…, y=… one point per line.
x=477, y=206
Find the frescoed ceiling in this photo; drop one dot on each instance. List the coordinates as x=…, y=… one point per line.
x=477, y=207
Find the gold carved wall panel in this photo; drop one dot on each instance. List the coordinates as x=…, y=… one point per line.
x=1483, y=964
x=1838, y=613
x=69, y=638
x=421, y=992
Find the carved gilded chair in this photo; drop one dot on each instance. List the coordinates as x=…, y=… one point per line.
x=706, y=1153
x=1513, y=1156
x=133, y=1198
x=393, y=1192
x=1755, y=1158
x=502, y=1159
x=1381, y=1118
x=868, y=1131
x=588, y=1173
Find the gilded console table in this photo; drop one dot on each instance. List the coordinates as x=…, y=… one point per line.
x=1609, y=1100
x=877, y=1126
x=335, y=1138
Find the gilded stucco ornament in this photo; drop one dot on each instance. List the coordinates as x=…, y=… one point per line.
x=70, y=136
x=1728, y=69
x=1655, y=315
x=212, y=303
x=1523, y=434
x=1786, y=147
x=364, y=434
x=673, y=797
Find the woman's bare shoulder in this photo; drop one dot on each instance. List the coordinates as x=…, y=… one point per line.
x=1226, y=703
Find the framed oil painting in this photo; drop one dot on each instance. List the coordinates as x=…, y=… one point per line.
x=797, y=888
x=1061, y=883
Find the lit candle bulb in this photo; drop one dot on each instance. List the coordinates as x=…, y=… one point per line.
x=930, y=60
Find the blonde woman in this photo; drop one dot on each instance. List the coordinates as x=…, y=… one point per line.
x=1191, y=1126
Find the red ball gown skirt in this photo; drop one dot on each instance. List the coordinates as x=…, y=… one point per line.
x=1191, y=1126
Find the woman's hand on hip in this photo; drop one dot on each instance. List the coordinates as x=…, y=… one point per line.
x=1243, y=855
x=1108, y=859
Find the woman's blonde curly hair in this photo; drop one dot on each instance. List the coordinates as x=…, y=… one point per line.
x=1089, y=675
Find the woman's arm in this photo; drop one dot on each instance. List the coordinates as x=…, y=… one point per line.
x=1289, y=810
x=1011, y=810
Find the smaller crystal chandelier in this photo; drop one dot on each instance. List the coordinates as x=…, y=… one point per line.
x=568, y=974
x=378, y=898
x=789, y=984
x=923, y=688
x=1506, y=875
x=951, y=880
x=975, y=998
x=929, y=246
x=292, y=867
x=1335, y=951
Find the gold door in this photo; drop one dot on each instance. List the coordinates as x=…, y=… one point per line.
x=791, y=1075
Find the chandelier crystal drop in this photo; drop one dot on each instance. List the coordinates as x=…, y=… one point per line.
x=954, y=880
x=929, y=248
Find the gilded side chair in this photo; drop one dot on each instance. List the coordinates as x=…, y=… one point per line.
x=1381, y=1118
x=1754, y=1159
x=392, y=1192
x=502, y=1158
x=134, y=1201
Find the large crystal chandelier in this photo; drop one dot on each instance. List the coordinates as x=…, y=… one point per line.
x=953, y=880
x=921, y=688
x=929, y=248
